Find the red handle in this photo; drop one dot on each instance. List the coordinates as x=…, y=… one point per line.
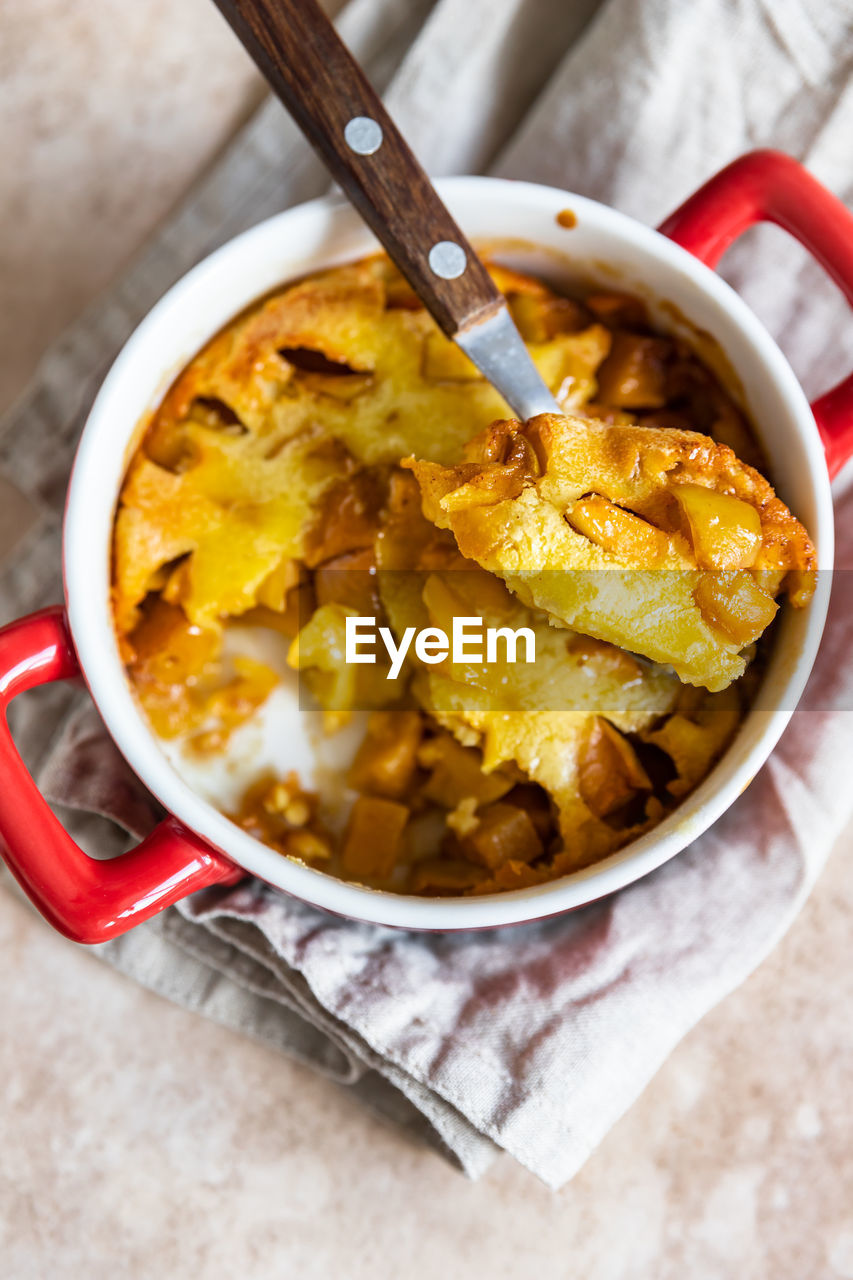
x=86, y=899
x=767, y=186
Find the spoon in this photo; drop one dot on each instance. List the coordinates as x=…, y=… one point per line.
x=299, y=52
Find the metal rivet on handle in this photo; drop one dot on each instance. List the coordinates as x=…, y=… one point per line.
x=447, y=259
x=363, y=135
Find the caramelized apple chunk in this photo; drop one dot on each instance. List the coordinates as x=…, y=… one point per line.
x=446, y=877
x=633, y=376
x=609, y=772
x=725, y=531
x=387, y=760
x=170, y=649
x=614, y=529
x=502, y=832
x=347, y=518
x=735, y=605
x=541, y=318
x=371, y=841
x=318, y=654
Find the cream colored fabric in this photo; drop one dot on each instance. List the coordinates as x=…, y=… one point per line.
x=533, y=1040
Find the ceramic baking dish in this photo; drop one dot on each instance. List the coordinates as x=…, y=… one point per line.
x=672, y=269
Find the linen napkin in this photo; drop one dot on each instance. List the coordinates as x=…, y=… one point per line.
x=533, y=1040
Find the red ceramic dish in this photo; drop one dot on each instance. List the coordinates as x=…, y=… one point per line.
x=92, y=901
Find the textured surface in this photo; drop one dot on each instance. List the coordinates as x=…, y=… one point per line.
x=137, y=1139
x=128, y=1122
x=107, y=112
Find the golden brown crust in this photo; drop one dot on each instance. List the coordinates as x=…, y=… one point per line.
x=334, y=373
x=554, y=505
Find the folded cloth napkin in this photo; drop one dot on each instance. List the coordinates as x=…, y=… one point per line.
x=536, y=1039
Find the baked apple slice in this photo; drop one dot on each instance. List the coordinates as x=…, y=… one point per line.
x=657, y=540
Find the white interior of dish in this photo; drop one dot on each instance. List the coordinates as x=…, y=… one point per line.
x=522, y=219
x=281, y=736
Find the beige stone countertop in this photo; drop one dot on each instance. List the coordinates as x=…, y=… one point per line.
x=138, y=1140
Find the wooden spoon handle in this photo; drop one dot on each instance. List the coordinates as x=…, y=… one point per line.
x=298, y=50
